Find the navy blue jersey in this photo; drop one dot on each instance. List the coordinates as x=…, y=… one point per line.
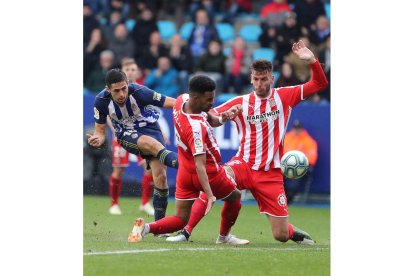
x=138, y=111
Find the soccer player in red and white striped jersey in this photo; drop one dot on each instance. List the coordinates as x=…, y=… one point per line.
x=261, y=126
x=200, y=168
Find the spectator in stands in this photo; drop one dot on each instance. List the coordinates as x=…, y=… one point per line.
x=89, y=24
x=206, y=5
x=307, y=12
x=144, y=26
x=163, y=78
x=96, y=79
x=286, y=77
x=131, y=68
x=299, y=139
x=238, y=67
x=268, y=36
x=302, y=73
x=181, y=60
x=325, y=59
x=122, y=45
x=234, y=8
x=321, y=32
x=213, y=64
x=152, y=52
x=109, y=28
x=273, y=13
x=121, y=6
x=287, y=35
x=95, y=46
x=201, y=35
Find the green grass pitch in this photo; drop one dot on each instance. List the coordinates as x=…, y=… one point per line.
x=107, y=252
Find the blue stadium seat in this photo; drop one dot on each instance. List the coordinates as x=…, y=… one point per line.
x=130, y=24
x=224, y=97
x=250, y=32
x=328, y=10
x=185, y=30
x=225, y=31
x=167, y=29
x=227, y=51
x=264, y=53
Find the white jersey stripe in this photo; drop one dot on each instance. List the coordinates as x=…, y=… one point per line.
x=270, y=140
x=137, y=111
x=246, y=149
x=259, y=135
x=301, y=92
x=281, y=126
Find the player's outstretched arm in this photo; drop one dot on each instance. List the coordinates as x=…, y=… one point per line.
x=98, y=138
x=200, y=163
x=231, y=113
x=169, y=102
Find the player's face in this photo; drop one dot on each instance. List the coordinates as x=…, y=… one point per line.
x=119, y=92
x=206, y=101
x=261, y=82
x=132, y=72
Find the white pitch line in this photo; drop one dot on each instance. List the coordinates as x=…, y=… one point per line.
x=136, y=251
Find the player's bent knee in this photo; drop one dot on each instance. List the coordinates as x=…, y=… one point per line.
x=281, y=236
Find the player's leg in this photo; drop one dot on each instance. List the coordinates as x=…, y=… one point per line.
x=160, y=198
x=270, y=196
x=236, y=169
x=165, y=225
x=147, y=188
x=150, y=146
x=119, y=162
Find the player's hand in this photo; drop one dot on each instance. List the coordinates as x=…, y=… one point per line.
x=94, y=140
x=231, y=113
x=301, y=51
x=210, y=202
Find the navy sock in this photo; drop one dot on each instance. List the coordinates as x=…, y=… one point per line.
x=168, y=158
x=160, y=202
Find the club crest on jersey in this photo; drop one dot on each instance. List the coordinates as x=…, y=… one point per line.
x=96, y=113
x=134, y=107
x=281, y=199
x=156, y=97
x=272, y=102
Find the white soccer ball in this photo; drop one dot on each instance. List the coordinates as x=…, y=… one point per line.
x=294, y=164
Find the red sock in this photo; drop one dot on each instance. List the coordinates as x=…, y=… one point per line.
x=290, y=229
x=114, y=189
x=147, y=189
x=166, y=225
x=197, y=212
x=229, y=215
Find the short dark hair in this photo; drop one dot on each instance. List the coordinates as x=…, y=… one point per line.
x=114, y=76
x=261, y=65
x=201, y=83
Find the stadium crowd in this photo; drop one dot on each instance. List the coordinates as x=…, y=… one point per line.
x=173, y=40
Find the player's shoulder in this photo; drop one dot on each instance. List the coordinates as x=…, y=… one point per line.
x=180, y=100
x=134, y=88
x=103, y=97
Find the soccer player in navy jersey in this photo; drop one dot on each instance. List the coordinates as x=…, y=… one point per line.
x=132, y=113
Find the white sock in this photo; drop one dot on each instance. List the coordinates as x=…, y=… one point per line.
x=146, y=229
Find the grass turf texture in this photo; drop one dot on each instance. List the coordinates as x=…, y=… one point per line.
x=201, y=256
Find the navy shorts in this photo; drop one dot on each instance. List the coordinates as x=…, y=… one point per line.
x=128, y=138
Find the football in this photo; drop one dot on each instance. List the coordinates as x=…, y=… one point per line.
x=294, y=164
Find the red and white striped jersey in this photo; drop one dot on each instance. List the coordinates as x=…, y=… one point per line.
x=262, y=123
x=194, y=136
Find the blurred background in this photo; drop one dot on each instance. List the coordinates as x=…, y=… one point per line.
x=172, y=40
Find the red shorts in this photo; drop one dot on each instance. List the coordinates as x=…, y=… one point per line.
x=188, y=186
x=120, y=157
x=266, y=187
